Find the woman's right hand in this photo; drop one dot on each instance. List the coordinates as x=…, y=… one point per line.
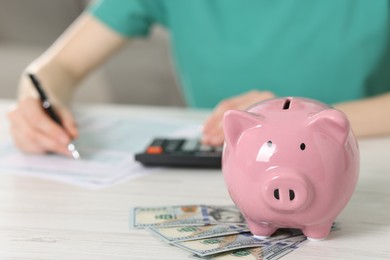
x=60, y=68
x=34, y=131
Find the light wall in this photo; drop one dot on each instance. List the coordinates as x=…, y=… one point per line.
x=140, y=74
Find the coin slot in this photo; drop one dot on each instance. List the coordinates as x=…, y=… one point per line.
x=286, y=104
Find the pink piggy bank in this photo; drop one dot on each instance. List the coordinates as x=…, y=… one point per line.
x=290, y=163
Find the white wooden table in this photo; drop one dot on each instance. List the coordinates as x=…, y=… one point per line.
x=41, y=219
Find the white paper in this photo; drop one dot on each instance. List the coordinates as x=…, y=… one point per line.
x=107, y=147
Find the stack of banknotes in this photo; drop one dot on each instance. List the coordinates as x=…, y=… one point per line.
x=213, y=232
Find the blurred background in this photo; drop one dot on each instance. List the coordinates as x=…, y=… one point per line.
x=140, y=74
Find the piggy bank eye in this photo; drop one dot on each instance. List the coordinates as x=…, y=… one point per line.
x=266, y=151
x=302, y=146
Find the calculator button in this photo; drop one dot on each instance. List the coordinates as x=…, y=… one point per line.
x=172, y=145
x=154, y=150
x=157, y=142
x=219, y=149
x=190, y=145
x=205, y=148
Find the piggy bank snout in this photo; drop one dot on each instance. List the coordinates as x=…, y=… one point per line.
x=287, y=192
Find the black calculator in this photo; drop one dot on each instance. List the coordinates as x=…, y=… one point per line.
x=180, y=152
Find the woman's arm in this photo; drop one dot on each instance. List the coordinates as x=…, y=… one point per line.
x=369, y=116
x=85, y=45
x=82, y=47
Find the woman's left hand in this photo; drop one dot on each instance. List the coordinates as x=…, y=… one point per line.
x=212, y=129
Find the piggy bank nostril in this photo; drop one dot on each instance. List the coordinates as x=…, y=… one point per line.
x=292, y=194
x=276, y=194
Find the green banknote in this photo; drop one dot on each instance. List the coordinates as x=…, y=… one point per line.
x=272, y=252
x=189, y=215
x=186, y=233
x=215, y=245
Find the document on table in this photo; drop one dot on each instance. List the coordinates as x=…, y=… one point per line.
x=107, y=147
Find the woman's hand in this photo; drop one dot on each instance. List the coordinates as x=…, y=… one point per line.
x=212, y=130
x=34, y=131
x=60, y=68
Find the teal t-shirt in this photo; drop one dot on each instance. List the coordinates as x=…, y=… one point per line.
x=333, y=50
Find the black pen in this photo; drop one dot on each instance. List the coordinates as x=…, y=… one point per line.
x=47, y=106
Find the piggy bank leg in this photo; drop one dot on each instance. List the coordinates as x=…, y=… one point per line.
x=260, y=230
x=317, y=232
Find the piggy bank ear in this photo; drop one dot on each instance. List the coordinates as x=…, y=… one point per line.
x=236, y=122
x=332, y=122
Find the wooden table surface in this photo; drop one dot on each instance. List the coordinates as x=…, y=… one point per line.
x=42, y=219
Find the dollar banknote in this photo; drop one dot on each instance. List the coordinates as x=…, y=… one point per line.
x=214, y=232
x=215, y=245
x=189, y=215
x=272, y=252
x=186, y=233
